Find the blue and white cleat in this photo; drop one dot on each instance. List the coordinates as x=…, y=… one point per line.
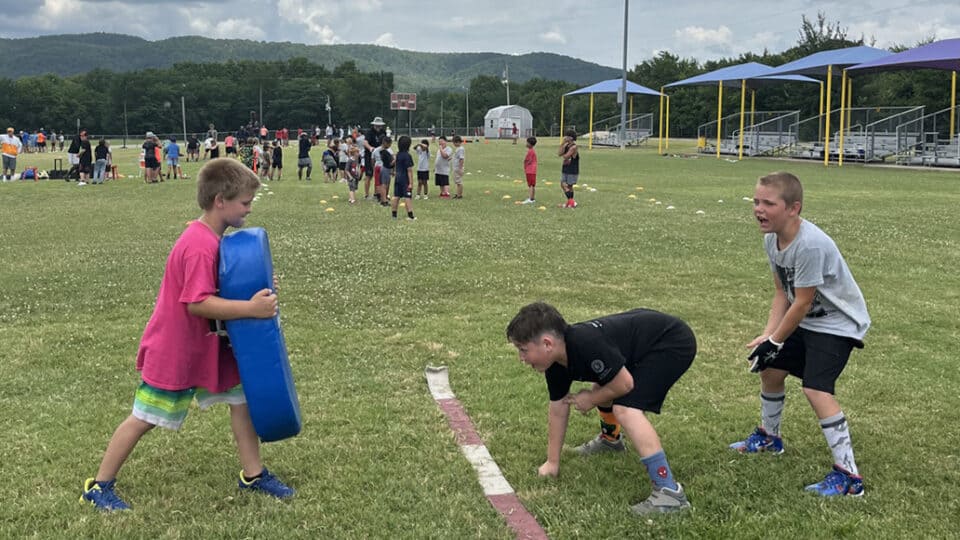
x=267, y=483
x=102, y=496
x=838, y=482
x=759, y=441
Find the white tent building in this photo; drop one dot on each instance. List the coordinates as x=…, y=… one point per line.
x=498, y=122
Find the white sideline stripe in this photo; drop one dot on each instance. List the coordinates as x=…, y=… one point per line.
x=491, y=479
x=438, y=382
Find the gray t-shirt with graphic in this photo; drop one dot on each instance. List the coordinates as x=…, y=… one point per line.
x=813, y=260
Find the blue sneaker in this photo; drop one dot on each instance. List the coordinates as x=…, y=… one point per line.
x=838, y=482
x=759, y=441
x=267, y=483
x=102, y=496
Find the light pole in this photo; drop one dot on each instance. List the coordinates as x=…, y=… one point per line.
x=329, y=122
x=467, y=95
x=623, y=85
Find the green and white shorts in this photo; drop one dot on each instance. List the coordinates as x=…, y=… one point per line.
x=168, y=408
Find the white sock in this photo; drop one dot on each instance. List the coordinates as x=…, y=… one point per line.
x=771, y=411
x=837, y=433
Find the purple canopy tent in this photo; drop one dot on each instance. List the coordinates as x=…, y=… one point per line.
x=944, y=55
x=822, y=63
x=749, y=75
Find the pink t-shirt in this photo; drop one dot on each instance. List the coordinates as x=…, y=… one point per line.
x=229, y=140
x=178, y=351
x=530, y=162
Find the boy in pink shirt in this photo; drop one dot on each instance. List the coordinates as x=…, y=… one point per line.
x=530, y=169
x=181, y=355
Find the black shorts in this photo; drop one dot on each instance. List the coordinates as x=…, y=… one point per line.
x=231, y=150
x=214, y=153
x=659, y=369
x=342, y=165
x=815, y=357
x=441, y=179
x=423, y=176
x=151, y=163
x=401, y=189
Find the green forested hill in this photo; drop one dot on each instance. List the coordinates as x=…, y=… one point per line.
x=79, y=53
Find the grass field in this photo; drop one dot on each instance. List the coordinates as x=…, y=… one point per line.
x=368, y=302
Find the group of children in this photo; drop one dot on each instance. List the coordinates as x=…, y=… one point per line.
x=817, y=317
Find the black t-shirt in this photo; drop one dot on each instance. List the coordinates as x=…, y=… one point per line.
x=374, y=138
x=597, y=349
x=192, y=143
x=304, y=148
x=571, y=166
x=86, y=157
x=149, y=151
x=100, y=152
x=403, y=163
x=277, y=155
x=386, y=158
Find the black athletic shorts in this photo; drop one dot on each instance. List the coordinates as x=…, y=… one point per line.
x=815, y=357
x=442, y=179
x=660, y=369
x=423, y=176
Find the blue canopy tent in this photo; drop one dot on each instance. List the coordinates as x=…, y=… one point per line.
x=750, y=75
x=944, y=55
x=822, y=63
x=611, y=86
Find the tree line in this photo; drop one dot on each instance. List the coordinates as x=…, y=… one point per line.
x=294, y=93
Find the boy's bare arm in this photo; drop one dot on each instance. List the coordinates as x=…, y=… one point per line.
x=559, y=414
x=803, y=300
x=778, y=308
x=620, y=385
x=263, y=305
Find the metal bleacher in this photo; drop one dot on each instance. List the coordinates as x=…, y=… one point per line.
x=874, y=134
x=765, y=133
x=639, y=128
x=928, y=140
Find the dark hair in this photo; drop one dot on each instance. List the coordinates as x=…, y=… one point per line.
x=457, y=139
x=425, y=142
x=103, y=142
x=533, y=320
x=386, y=140
x=442, y=137
x=403, y=143
x=532, y=141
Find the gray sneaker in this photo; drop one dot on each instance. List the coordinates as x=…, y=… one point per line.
x=662, y=501
x=600, y=445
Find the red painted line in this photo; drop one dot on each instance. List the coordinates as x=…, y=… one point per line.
x=459, y=422
x=518, y=518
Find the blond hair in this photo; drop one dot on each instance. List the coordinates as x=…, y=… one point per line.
x=226, y=177
x=791, y=191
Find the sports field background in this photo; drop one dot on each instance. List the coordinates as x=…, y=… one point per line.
x=367, y=302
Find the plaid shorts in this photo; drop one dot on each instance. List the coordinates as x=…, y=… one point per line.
x=168, y=408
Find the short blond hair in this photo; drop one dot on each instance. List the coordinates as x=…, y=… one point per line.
x=791, y=191
x=226, y=177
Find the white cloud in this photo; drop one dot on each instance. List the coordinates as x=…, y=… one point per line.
x=385, y=40
x=705, y=36
x=231, y=28
x=314, y=17
x=553, y=36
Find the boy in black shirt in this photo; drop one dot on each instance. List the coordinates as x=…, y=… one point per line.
x=632, y=358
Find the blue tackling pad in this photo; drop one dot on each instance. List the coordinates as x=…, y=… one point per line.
x=246, y=268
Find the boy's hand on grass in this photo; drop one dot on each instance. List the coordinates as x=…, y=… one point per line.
x=264, y=304
x=582, y=401
x=549, y=469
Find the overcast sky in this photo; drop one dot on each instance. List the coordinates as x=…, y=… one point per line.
x=590, y=30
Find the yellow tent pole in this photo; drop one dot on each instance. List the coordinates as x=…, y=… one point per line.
x=826, y=128
x=849, y=101
x=843, y=116
x=743, y=106
x=667, y=148
x=753, y=105
x=561, y=115
x=629, y=120
x=719, y=113
x=820, y=122
x=953, y=105
x=590, y=146
x=660, y=125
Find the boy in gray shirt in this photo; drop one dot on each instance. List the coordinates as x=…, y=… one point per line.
x=818, y=315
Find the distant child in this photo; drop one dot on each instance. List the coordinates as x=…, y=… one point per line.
x=386, y=170
x=441, y=167
x=303, y=156
x=329, y=159
x=247, y=155
x=180, y=357
x=633, y=359
x=353, y=172
x=459, y=156
x=172, y=150
x=817, y=317
x=102, y=156
x=423, y=167
x=193, y=147
x=342, y=148
x=401, y=186
x=276, y=161
x=530, y=170
x=570, y=170
x=264, y=161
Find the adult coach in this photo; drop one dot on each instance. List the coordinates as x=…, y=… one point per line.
x=11, y=147
x=371, y=141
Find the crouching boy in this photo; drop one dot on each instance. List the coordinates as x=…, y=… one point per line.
x=633, y=359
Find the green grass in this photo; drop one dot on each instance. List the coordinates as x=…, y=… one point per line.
x=368, y=302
